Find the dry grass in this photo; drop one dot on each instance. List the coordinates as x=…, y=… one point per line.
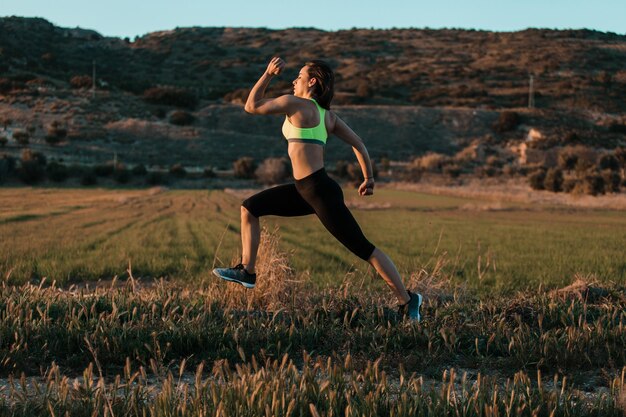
x=515, y=191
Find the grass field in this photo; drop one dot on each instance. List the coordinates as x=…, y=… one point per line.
x=311, y=338
x=84, y=235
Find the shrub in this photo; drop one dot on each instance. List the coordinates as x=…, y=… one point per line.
x=494, y=161
x=487, y=171
x=32, y=167
x=507, y=121
x=567, y=159
x=554, y=180
x=170, y=96
x=103, y=170
x=510, y=170
x=244, y=167
x=208, y=172
x=341, y=169
x=178, y=171
x=453, y=171
x=537, y=179
x=75, y=170
x=3, y=141
x=155, y=178
x=570, y=184
x=7, y=166
x=385, y=164
x=273, y=171
x=57, y=172
x=593, y=184
x=181, y=118
x=81, y=81
x=611, y=180
x=22, y=137
x=609, y=161
x=55, y=133
x=6, y=122
x=89, y=178
x=121, y=174
x=139, y=170
x=431, y=162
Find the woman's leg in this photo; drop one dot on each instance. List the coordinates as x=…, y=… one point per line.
x=250, y=239
x=326, y=197
x=282, y=200
x=387, y=270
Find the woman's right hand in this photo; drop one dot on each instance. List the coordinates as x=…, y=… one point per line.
x=275, y=66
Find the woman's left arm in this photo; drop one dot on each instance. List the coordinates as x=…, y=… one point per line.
x=343, y=132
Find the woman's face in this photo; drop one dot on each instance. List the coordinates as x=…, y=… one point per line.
x=302, y=84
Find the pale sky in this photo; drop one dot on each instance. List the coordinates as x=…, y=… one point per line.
x=137, y=17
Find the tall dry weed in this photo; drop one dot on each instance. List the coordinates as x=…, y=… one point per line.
x=276, y=287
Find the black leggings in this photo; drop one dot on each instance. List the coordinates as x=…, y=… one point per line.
x=315, y=194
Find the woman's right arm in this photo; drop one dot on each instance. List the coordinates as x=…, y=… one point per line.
x=258, y=104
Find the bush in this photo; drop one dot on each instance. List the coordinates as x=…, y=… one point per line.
x=487, y=171
x=567, y=159
x=494, y=161
x=593, y=184
x=208, y=172
x=55, y=133
x=7, y=166
x=507, y=121
x=81, y=81
x=3, y=141
x=611, y=180
x=32, y=167
x=121, y=175
x=244, y=167
x=21, y=136
x=155, y=178
x=453, y=171
x=89, y=178
x=139, y=170
x=170, y=96
x=57, y=172
x=178, y=171
x=181, y=118
x=537, y=179
x=273, y=171
x=554, y=180
x=341, y=169
x=570, y=184
x=510, y=170
x=609, y=161
x=431, y=162
x=103, y=170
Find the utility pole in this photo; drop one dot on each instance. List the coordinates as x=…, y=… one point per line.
x=93, y=80
x=531, y=92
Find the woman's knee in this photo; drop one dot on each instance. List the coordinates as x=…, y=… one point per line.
x=246, y=214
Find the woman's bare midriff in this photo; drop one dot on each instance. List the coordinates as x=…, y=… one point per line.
x=306, y=158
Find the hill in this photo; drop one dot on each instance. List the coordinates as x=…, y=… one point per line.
x=425, y=90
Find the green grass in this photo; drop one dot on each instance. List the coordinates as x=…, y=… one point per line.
x=78, y=235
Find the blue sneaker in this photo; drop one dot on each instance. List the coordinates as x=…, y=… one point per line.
x=411, y=310
x=236, y=274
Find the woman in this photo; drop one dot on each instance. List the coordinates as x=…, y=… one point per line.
x=307, y=125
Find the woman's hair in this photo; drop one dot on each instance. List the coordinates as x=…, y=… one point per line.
x=324, y=88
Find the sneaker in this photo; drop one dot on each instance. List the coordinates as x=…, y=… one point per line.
x=411, y=309
x=236, y=274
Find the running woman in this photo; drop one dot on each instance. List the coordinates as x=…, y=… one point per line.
x=307, y=125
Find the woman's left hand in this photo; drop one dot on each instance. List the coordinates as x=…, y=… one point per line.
x=367, y=187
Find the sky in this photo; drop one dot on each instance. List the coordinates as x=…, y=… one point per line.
x=130, y=18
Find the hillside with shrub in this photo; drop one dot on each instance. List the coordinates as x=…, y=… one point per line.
x=448, y=102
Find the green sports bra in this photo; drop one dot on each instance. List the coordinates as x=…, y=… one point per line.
x=317, y=134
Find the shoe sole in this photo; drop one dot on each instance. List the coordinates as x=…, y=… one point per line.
x=244, y=284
